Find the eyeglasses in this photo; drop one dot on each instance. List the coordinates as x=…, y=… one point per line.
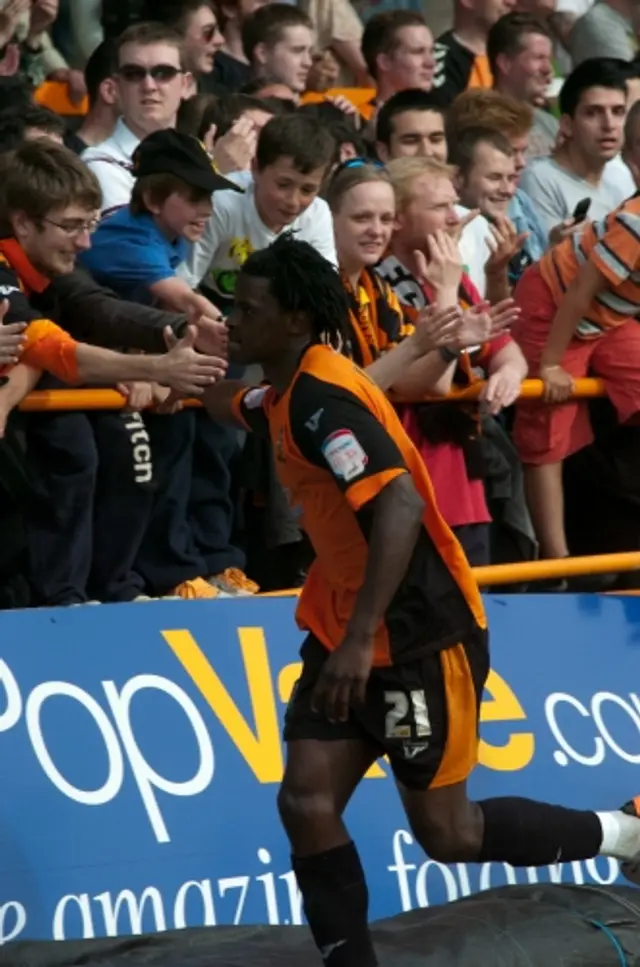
x=161, y=73
x=75, y=227
x=357, y=163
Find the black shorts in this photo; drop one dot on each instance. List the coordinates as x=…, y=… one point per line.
x=422, y=714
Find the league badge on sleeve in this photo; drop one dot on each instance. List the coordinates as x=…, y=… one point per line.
x=344, y=454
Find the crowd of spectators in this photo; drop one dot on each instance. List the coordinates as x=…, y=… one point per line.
x=147, y=148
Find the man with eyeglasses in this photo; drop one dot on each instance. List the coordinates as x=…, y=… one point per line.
x=151, y=84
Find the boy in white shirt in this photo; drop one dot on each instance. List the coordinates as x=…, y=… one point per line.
x=281, y=194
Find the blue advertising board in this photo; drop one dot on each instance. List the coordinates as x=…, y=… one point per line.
x=140, y=756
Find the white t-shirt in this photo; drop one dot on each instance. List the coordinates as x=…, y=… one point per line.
x=111, y=163
x=555, y=191
x=475, y=249
x=235, y=230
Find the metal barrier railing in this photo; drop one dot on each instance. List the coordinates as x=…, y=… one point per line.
x=110, y=399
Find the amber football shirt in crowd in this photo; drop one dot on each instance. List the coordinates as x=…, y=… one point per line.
x=458, y=68
x=377, y=320
x=612, y=245
x=47, y=347
x=337, y=444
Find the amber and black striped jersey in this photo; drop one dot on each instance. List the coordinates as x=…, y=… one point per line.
x=612, y=245
x=458, y=68
x=378, y=322
x=337, y=443
x=47, y=346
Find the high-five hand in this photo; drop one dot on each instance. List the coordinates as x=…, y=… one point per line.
x=186, y=370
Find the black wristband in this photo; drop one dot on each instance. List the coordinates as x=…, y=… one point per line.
x=449, y=355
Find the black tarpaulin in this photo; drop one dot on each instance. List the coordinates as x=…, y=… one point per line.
x=535, y=926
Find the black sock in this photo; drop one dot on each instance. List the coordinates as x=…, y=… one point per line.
x=523, y=832
x=336, y=902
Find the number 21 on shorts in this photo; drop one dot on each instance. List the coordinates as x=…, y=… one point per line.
x=407, y=716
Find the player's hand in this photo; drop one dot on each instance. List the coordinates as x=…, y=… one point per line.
x=505, y=241
x=167, y=401
x=501, y=389
x=443, y=270
x=12, y=338
x=343, y=679
x=184, y=369
x=558, y=383
x=436, y=328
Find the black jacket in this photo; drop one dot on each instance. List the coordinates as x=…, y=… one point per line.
x=96, y=315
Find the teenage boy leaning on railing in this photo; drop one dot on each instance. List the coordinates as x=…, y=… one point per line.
x=48, y=206
x=580, y=306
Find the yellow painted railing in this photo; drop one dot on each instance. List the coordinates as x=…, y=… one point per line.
x=530, y=571
x=500, y=574
x=566, y=567
x=109, y=399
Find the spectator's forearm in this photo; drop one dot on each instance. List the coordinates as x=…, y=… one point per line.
x=388, y=369
x=95, y=315
x=105, y=367
x=176, y=295
x=512, y=356
x=574, y=307
x=562, y=331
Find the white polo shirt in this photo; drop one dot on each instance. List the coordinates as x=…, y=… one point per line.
x=111, y=163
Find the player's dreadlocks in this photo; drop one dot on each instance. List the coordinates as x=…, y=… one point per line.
x=302, y=280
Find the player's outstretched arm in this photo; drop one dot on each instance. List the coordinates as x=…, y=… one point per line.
x=218, y=400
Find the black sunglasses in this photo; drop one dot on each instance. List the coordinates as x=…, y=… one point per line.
x=162, y=73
